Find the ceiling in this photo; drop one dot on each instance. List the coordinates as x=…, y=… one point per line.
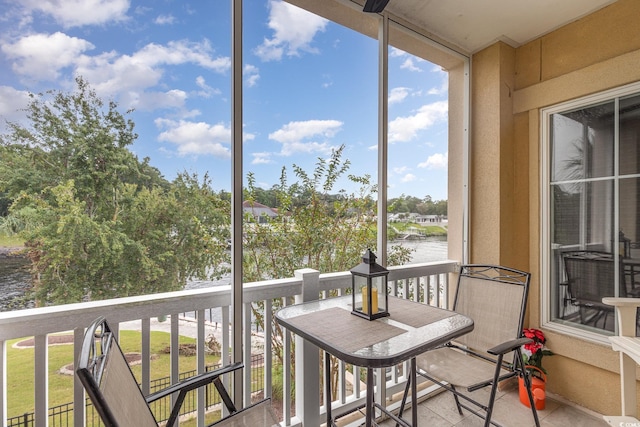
x=475, y=24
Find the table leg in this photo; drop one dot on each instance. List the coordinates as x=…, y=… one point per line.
x=369, y=411
x=414, y=393
x=327, y=387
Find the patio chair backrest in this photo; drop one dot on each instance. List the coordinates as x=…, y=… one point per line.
x=109, y=382
x=495, y=298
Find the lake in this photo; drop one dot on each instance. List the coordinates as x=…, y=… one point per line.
x=14, y=276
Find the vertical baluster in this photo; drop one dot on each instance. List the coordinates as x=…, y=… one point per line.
x=79, y=407
x=268, y=350
x=174, y=353
x=41, y=383
x=145, y=347
x=3, y=386
x=286, y=374
x=247, y=352
x=200, y=363
x=226, y=345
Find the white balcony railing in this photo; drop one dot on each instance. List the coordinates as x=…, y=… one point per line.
x=428, y=283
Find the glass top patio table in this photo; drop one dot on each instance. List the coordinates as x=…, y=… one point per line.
x=411, y=329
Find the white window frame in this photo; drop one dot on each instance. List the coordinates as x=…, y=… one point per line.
x=545, y=207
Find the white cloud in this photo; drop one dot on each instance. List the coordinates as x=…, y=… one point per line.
x=181, y=52
x=409, y=65
x=76, y=13
x=261, y=158
x=400, y=170
x=165, y=20
x=394, y=52
x=293, y=31
x=196, y=137
x=252, y=74
x=12, y=104
x=408, y=178
x=206, y=90
x=295, y=136
x=444, y=86
x=42, y=56
x=398, y=94
x=328, y=81
x=111, y=74
x=149, y=101
x=436, y=161
x=404, y=129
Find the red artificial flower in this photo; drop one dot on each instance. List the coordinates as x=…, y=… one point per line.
x=534, y=351
x=533, y=347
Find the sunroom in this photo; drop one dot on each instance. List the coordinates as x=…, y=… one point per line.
x=543, y=162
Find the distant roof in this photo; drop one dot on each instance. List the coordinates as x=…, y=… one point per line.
x=252, y=204
x=258, y=209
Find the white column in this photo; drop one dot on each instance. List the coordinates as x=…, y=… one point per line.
x=307, y=357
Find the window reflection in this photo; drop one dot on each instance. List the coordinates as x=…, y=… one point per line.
x=595, y=233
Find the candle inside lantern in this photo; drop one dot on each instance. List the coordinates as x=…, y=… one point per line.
x=374, y=300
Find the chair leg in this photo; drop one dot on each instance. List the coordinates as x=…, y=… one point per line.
x=494, y=389
x=455, y=397
x=527, y=383
x=404, y=399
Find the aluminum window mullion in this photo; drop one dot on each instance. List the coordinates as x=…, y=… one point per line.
x=616, y=198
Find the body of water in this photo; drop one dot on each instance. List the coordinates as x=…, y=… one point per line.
x=15, y=278
x=14, y=281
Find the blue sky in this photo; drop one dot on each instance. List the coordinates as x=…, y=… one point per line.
x=310, y=85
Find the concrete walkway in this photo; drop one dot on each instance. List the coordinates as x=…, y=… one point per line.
x=188, y=327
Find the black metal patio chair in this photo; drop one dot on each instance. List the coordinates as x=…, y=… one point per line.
x=112, y=387
x=495, y=298
x=591, y=277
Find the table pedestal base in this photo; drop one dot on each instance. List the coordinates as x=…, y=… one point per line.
x=370, y=405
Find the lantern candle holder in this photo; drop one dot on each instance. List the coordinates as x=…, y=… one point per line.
x=369, y=290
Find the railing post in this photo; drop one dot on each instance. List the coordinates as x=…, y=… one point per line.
x=307, y=360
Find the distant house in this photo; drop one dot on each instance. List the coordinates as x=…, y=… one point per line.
x=427, y=219
x=259, y=211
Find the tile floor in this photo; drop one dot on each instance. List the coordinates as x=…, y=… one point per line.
x=440, y=411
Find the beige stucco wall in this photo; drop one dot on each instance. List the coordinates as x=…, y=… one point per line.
x=509, y=87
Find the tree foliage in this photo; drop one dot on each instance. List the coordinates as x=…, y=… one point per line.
x=411, y=204
x=313, y=229
x=97, y=222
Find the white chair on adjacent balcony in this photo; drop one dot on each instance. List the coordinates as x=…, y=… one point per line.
x=111, y=386
x=628, y=344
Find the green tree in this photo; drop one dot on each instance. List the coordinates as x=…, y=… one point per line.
x=73, y=137
x=151, y=242
x=312, y=229
x=97, y=222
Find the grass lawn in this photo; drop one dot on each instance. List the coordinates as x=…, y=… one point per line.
x=10, y=241
x=20, y=368
x=429, y=230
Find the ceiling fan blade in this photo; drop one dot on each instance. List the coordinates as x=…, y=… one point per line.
x=375, y=6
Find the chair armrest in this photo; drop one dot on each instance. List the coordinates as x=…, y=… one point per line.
x=508, y=346
x=193, y=383
x=621, y=302
x=626, y=309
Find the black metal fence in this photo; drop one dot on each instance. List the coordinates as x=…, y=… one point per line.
x=62, y=415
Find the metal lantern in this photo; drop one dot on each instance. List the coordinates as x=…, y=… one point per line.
x=369, y=288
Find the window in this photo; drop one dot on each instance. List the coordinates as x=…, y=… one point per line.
x=591, y=216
